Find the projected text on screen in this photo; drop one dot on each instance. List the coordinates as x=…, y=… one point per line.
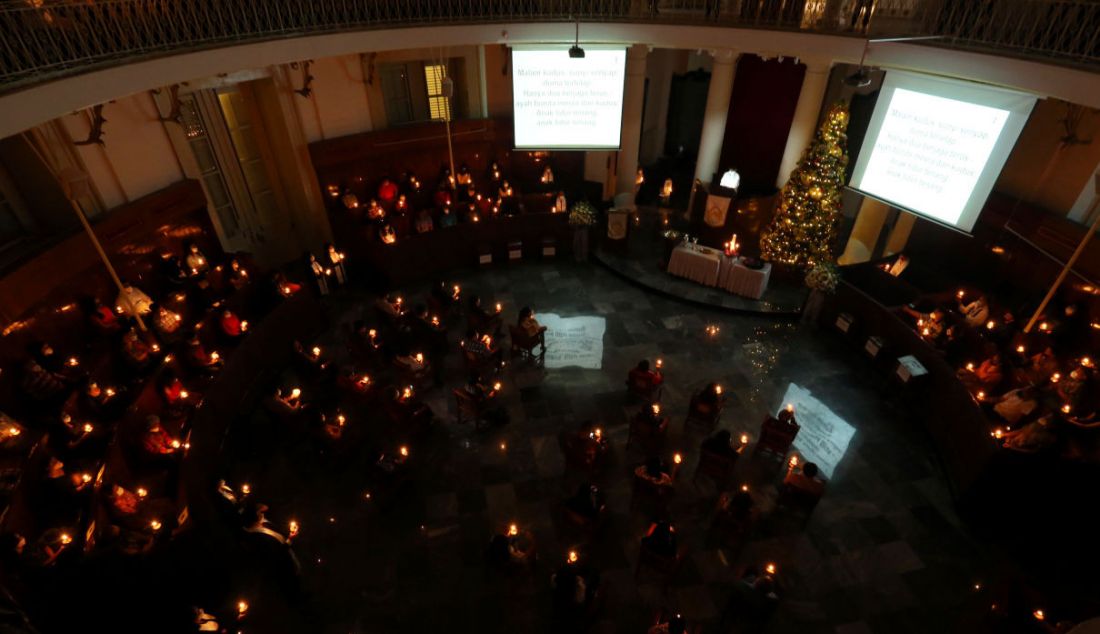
x=560, y=102
x=931, y=151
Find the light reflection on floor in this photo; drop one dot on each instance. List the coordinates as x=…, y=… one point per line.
x=824, y=436
x=573, y=341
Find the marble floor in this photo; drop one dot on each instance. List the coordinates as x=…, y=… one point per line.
x=883, y=552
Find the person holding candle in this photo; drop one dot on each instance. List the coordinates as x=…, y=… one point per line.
x=660, y=539
x=644, y=380
x=654, y=472
x=43, y=378
x=482, y=320
x=230, y=325
x=1033, y=437
x=735, y=508
x=531, y=327
x=485, y=396
x=588, y=501
x=238, y=275
x=135, y=352
x=803, y=480
x=103, y=319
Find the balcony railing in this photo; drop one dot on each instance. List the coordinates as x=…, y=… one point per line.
x=41, y=40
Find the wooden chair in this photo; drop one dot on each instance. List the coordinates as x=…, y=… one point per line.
x=776, y=437
x=641, y=385
x=524, y=346
x=488, y=323
x=483, y=365
x=703, y=413
x=468, y=408
x=715, y=466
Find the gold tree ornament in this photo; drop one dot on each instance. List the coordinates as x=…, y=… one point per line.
x=807, y=215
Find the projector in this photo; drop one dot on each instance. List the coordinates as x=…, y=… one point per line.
x=576, y=52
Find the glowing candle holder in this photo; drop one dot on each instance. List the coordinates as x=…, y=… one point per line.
x=66, y=539
x=677, y=458
x=656, y=407
x=497, y=386
x=73, y=362
x=246, y=488
x=659, y=363
x=500, y=307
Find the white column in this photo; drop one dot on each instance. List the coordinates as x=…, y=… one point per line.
x=714, y=117
x=633, y=96
x=806, y=113
x=1084, y=200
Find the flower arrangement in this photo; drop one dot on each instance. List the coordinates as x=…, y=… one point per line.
x=583, y=214
x=823, y=277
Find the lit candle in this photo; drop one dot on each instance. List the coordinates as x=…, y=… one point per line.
x=1044, y=326
x=659, y=364
x=293, y=530
x=141, y=492
x=435, y=320
x=176, y=444
x=341, y=419
x=66, y=539
x=790, y=407
x=744, y=488
x=1057, y=376
x=499, y=307
x=656, y=408
x=1021, y=349
x=155, y=525
x=980, y=395
x=718, y=389
x=457, y=292
x=184, y=394
x=1087, y=362
x=744, y=439
x=572, y=557
x=970, y=367
x=1039, y=615
x=1066, y=408
x=88, y=428
x=496, y=386
x=990, y=325
x=404, y=451
x=214, y=356
x=85, y=478
x=295, y=393
x=242, y=608
x=73, y=362
x=244, y=325
x=960, y=293
x=364, y=380
x=598, y=433
x=246, y=488
x=316, y=352
x=419, y=358
x=770, y=568
x=677, y=458
x=513, y=530
x=407, y=393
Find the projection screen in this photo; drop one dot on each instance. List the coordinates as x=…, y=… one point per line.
x=562, y=103
x=935, y=146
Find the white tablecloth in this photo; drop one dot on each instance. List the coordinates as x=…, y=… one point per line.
x=698, y=266
x=741, y=280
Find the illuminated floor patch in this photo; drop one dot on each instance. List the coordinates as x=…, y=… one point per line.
x=573, y=341
x=824, y=436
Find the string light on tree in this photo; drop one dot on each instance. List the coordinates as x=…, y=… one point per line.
x=807, y=215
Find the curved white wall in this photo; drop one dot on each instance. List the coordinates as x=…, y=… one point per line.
x=35, y=105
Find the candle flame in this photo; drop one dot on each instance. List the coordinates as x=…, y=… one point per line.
x=770, y=568
x=744, y=439
x=88, y=428
x=246, y=488
x=242, y=608
x=677, y=458
x=66, y=539
x=142, y=492
x=496, y=386
x=295, y=393
x=404, y=451
x=793, y=461
x=155, y=525
x=316, y=351
x=572, y=557
x=513, y=530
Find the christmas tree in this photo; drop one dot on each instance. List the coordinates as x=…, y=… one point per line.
x=807, y=215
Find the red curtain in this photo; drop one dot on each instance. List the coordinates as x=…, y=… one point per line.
x=762, y=105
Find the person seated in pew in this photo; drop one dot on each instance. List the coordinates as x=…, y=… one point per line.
x=288, y=399
x=171, y=389
x=975, y=312
x=485, y=396
x=1033, y=437
x=282, y=286
x=803, y=479
x=1014, y=405
x=721, y=444
x=156, y=442
x=311, y=362
x=238, y=275
x=172, y=268
x=464, y=178
x=103, y=319
x=198, y=358
x=105, y=402
x=588, y=501
x=660, y=539
x=135, y=352
x=1041, y=367
x=166, y=323
x=754, y=599
x=195, y=260
x=985, y=377
x=43, y=377
x=654, y=472
x=641, y=375
x=443, y=296
x=231, y=325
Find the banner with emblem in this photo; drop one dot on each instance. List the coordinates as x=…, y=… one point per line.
x=716, y=210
